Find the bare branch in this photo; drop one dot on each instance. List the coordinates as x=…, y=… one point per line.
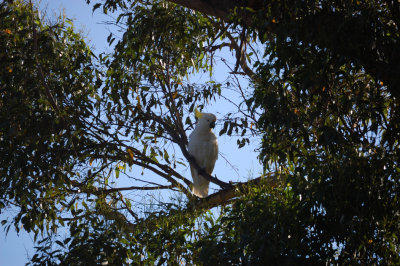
x=127, y=207
x=240, y=55
x=119, y=189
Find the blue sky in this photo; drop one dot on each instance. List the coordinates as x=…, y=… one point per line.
x=240, y=164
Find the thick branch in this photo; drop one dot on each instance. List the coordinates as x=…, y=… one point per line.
x=224, y=197
x=220, y=198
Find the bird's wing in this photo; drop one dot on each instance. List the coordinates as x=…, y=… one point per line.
x=199, y=150
x=212, y=154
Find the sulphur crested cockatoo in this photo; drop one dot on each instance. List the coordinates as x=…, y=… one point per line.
x=203, y=146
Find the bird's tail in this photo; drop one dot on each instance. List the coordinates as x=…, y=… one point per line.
x=200, y=189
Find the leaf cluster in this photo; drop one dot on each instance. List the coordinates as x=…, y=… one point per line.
x=42, y=130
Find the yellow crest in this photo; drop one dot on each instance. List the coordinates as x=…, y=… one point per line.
x=197, y=113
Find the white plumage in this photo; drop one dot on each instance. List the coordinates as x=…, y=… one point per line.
x=203, y=146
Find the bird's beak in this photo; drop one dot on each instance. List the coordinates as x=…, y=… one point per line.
x=212, y=124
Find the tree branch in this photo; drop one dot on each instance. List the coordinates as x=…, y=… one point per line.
x=118, y=189
x=224, y=197
x=220, y=198
x=342, y=33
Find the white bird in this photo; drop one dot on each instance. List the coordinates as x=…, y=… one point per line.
x=203, y=146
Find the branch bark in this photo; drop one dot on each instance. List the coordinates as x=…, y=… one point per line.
x=226, y=196
x=220, y=198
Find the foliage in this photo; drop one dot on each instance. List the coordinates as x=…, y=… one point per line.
x=265, y=226
x=333, y=125
x=322, y=98
x=42, y=132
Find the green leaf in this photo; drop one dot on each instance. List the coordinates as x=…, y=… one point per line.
x=96, y=6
